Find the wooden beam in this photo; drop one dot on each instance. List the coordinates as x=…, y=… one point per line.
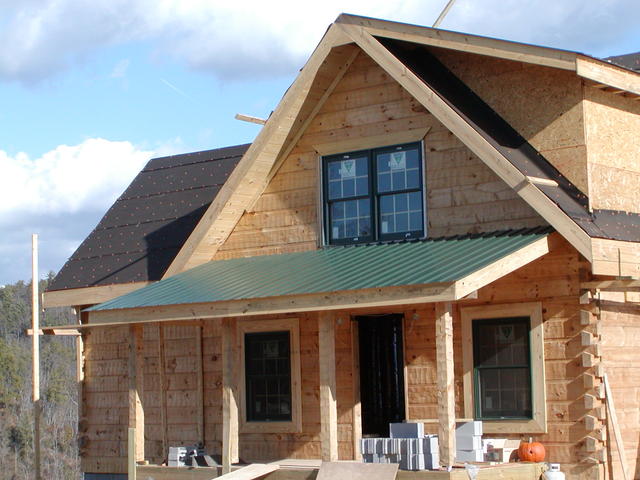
x=163, y=390
x=200, y=384
x=451, y=119
x=35, y=343
x=250, y=119
x=371, y=297
x=136, y=389
x=229, y=396
x=250, y=472
x=519, y=52
x=88, y=295
x=55, y=331
x=615, y=426
x=328, y=408
x=605, y=73
x=445, y=381
x=132, y=448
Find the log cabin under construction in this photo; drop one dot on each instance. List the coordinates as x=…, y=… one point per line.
x=431, y=226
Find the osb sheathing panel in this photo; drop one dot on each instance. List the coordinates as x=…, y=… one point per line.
x=543, y=104
x=612, y=124
x=621, y=355
x=463, y=194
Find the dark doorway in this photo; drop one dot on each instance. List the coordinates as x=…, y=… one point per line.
x=381, y=373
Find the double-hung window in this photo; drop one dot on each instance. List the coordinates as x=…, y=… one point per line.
x=374, y=195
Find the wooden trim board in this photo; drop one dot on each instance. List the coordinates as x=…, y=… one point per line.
x=88, y=295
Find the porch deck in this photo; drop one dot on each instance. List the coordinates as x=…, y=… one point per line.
x=308, y=470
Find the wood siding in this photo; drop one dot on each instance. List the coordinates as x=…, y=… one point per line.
x=463, y=194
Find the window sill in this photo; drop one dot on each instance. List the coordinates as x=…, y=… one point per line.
x=513, y=426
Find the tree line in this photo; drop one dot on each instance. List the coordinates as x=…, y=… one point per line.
x=58, y=387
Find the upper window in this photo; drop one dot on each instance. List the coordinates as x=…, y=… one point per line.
x=502, y=368
x=374, y=195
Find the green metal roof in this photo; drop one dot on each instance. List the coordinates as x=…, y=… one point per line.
x=331, y=269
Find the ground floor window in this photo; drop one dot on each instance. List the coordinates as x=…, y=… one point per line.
x=270, y=375
x=502, y=368
x=503, y=361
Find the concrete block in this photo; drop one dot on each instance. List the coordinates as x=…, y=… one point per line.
x=406, y=430
x=469, y=428
x=470, y=455
x=468, y=442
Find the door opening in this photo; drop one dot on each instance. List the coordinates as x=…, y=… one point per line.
x=381, y=372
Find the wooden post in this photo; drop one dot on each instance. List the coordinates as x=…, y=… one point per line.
x=357, y=406
x=328, y=409
x=136, y=390
x=131, y=454
x=445, y=380
x=35, y=339
x=200, y=385
x=229, y=396
x=612, y=422
x=163, y=392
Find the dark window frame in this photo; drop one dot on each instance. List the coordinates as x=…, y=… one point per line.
x=477, y=324
x=250, y=378
x=374, y=196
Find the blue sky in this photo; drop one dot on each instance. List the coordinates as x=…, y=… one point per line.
x=90, y=91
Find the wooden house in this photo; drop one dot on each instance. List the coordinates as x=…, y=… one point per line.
x=430, y=226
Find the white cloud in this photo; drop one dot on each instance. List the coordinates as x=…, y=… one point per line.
x=249, y=37
x=68, y=179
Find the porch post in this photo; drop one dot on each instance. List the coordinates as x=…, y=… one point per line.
x=445, y=377
x=328, y=408
x=229, y=396
x=136, y=389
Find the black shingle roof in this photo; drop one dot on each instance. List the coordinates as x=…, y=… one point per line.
x=143, y=231
x=630, y=61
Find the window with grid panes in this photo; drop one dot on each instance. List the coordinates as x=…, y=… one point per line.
x=374, y=195
x=502, y=368
x=268, y=376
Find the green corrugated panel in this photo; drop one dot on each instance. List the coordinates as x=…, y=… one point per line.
x=331, y=269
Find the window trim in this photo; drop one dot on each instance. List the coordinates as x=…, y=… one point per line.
x=533, y=310
x=261, y=326
x=373, y=195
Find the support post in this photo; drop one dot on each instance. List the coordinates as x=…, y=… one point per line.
x=229, y=396
x=136, y=391
x=35, y=339
x=357, y=405
x=328, y=408
x=200, y=384
x=163, y=391
x=131, y=454
x=445, y=380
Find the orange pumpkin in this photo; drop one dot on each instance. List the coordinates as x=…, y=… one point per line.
x=531, y=451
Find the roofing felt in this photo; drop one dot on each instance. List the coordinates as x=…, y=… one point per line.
x=505, y=139
x=331, y=269
x=140, y=235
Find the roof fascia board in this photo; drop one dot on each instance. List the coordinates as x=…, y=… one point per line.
x=88, y=295
x=371, y=297
x=503, y=267
x=249, y=175
x=608, y=74
x=493, y=47
x=472, y=139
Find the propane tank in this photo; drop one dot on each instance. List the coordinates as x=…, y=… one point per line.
x=554, y=472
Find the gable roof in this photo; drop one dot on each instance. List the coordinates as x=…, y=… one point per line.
x=142, y=232
x=319, y=76
x=630, y=61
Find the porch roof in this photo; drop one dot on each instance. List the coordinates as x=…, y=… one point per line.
x=450, y=267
